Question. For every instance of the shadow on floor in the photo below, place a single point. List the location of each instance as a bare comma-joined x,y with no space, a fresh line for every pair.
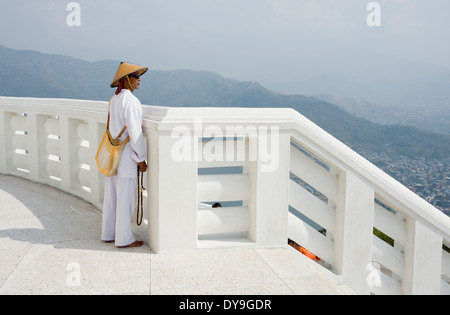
40,214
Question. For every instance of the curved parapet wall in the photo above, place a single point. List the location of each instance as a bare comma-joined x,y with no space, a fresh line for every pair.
275,173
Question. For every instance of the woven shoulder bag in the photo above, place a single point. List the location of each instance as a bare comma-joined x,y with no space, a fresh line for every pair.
110,151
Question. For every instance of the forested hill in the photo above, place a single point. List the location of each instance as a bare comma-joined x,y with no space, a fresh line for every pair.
33,74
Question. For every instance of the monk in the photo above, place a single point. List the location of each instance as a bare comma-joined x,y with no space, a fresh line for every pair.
120,190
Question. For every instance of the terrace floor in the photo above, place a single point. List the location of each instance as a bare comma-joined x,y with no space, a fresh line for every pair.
50,244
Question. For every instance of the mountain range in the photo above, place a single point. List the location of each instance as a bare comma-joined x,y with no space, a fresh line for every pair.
433,117
351,71
33,74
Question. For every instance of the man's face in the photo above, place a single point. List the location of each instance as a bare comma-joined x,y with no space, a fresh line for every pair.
135,80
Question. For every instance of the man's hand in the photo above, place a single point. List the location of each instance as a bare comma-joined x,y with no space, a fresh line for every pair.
142,166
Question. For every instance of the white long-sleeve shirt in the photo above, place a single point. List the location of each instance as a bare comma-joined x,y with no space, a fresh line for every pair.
126,109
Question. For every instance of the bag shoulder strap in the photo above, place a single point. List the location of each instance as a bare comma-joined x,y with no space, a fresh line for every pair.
107,124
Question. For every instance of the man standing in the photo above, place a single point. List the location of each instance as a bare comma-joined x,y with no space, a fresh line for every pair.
120,190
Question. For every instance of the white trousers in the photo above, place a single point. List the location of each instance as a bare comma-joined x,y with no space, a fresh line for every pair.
118,209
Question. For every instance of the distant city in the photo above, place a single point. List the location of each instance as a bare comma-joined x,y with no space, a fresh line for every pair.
429,180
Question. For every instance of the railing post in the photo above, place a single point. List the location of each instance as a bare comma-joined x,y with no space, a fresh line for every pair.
269,201
35,143
67,152
172,194
96,131
354,231
423,260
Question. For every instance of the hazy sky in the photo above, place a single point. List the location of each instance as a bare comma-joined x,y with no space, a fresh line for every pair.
242,39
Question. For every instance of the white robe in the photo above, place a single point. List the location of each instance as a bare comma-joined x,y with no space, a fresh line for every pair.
127,110
120,190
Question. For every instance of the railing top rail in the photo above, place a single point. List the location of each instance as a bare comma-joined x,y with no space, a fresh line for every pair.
166,115
386,187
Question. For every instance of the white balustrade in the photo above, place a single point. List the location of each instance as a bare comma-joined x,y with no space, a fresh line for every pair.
277,175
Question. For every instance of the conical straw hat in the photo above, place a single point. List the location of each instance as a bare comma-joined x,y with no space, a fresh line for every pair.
126,69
